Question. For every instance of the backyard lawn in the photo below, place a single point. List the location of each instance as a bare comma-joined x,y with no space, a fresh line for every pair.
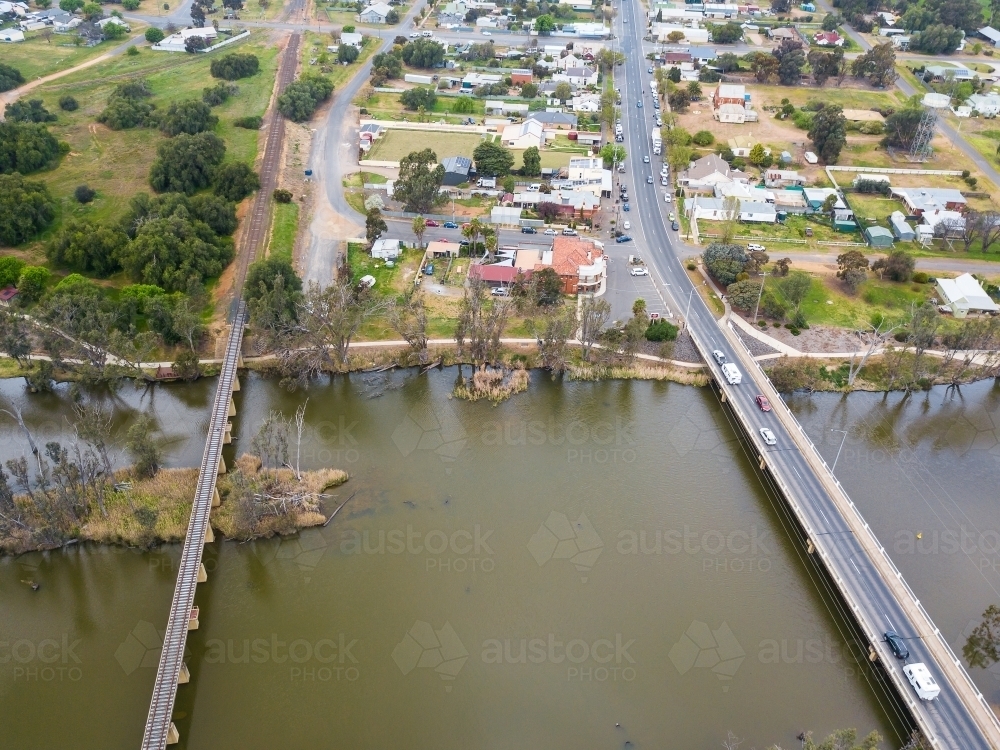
116,163
395,144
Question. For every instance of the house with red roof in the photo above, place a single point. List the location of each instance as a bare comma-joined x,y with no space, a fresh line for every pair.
829,39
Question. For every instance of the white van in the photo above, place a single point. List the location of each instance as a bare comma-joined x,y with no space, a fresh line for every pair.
920,677
732,374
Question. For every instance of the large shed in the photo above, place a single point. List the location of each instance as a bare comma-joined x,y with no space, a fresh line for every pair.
900,228
878,237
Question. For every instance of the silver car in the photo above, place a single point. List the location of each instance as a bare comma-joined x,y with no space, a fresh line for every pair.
767,436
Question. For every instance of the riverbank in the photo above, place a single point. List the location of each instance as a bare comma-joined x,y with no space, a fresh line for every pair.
143,512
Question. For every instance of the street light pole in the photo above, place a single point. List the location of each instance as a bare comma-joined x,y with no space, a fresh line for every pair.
687,310
759,295
842,441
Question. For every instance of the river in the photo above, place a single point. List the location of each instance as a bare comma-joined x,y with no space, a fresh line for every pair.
583,555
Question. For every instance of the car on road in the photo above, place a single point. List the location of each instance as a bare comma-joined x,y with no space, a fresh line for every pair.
732,373
567,232
626,207
719,357
762,402
463,243
754,247
666,197
645,160
414,35
675,226
622,238
431,223
450,225
920,677
627,225
486,33
529,230
897,645
672,217
650,71
664,181
649,179
767,436
550,231
656,103
639,271
638,105
659,121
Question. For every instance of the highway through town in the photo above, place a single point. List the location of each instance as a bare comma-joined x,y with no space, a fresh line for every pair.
947,719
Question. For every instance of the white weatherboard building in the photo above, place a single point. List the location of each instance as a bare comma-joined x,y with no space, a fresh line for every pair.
385,249
964,295
176,42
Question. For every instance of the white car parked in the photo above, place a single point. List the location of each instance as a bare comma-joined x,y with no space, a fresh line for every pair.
640,271
767,436
628,225
754,247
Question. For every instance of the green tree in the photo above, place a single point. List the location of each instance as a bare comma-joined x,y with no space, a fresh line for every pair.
423,53
791,61
982,649
68,104
418,185
32,282
724,261
154,35
843,739
186,163
234,66
529,90
419,227
703,138
532,162
28,111
878,65
763,65
10,78
170,252
142,448
26,147
234,181
545,25
492,159
26,208
826,65
190,116
374,225
113,31
757,154
728,33
694,90
898,266
127,107
829,133
272,291
87,247
301,98
674,74
218,94
727,62
937,39
10,270
832,21
795,287
743,295
347,53
613,153
420,96
960,14
679,100
563,91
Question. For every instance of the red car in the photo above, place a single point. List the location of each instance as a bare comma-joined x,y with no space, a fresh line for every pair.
431,223
763,403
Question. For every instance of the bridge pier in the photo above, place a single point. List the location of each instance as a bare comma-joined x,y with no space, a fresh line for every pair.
232,407
227,438
185,676
763,463
193,619
209,534
202,573
236,383
810,547
222,465
216,499
173,736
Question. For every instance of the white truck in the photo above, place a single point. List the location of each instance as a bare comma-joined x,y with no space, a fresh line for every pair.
657,142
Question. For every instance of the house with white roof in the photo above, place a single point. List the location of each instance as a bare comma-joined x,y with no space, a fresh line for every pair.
385,249
708,172
523,135
577,77
985,104
587,103
352,38
714,209
11,35
964,295
375,13
744,192
176,42
920,200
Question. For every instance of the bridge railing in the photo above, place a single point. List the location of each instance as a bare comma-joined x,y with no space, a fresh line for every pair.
984,703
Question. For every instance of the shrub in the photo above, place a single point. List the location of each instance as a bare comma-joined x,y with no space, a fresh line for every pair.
250,122
347,53
302,97
186,163
26,208
661,330
281,195
126,107
215,95
415,98
84,194
131,5
10,270
235,66
26,147
692,267
132,51
28,111
191,117
235,181
154,35
10,78
68,104
703,138
32,283
921,277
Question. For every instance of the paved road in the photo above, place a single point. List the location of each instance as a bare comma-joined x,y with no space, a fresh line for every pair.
948,717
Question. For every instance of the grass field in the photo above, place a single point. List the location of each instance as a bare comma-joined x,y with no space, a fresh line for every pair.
284,224
827,304
116,163
396,144
848,98
36,58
